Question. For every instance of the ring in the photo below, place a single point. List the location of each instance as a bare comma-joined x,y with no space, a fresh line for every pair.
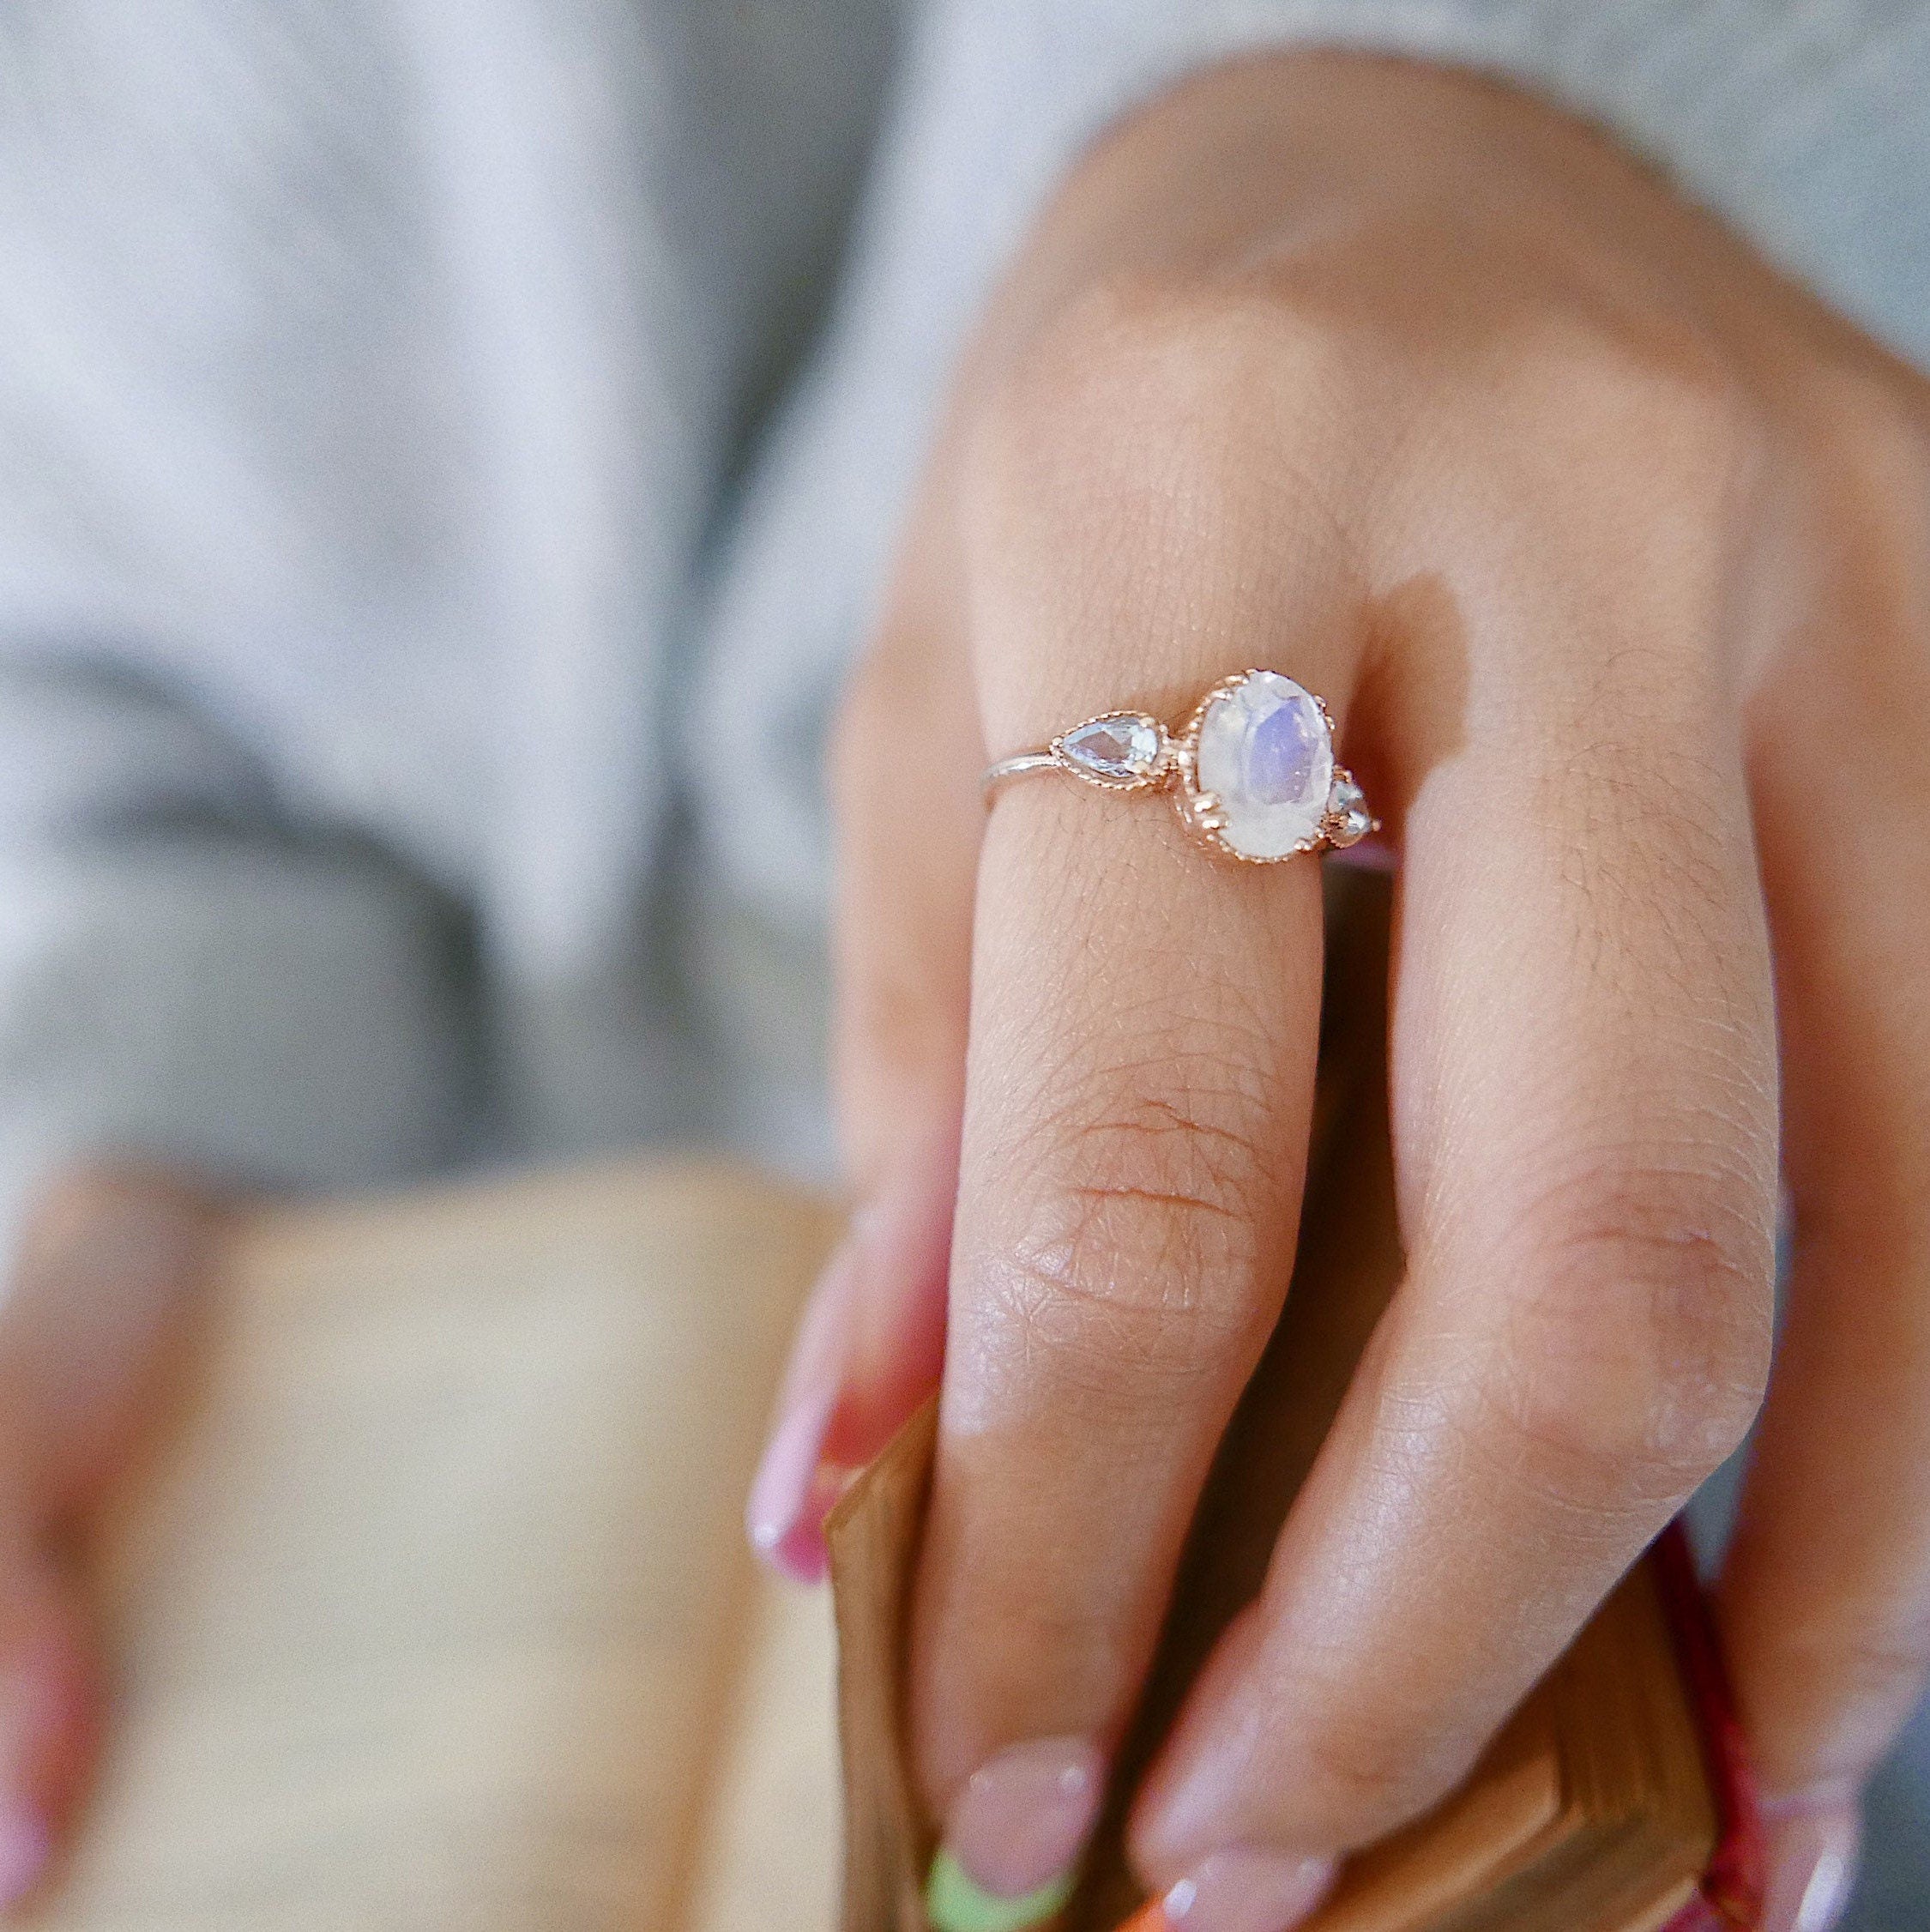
1251,771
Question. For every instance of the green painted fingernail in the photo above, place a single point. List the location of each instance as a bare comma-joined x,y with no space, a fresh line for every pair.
1013,1837
954,1903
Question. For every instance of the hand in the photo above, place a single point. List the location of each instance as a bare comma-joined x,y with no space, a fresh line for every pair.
1607,550
109,1262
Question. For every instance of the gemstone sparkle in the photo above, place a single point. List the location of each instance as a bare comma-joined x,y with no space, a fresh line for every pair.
1123,749
1266,755
1349,819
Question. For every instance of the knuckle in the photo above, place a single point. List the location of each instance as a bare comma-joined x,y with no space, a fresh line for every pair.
1873,403
1147,386
1871,425
1636,1344
1105,1354
1145,1228
1657,371
1175,342
1661,393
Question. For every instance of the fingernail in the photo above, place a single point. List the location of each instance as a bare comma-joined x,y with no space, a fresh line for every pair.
1014,1837
1243,1891
26,1845
793,1492
1813,1867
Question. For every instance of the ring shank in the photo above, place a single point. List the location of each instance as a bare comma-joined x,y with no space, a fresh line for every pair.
1134,752
1018,767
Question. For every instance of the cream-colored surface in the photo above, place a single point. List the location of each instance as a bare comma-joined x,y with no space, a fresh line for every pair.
769,1861
433,1611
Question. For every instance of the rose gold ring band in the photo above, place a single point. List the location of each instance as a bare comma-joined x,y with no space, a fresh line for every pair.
1251,771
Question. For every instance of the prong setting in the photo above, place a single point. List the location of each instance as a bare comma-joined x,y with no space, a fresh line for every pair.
1269,735
1118,751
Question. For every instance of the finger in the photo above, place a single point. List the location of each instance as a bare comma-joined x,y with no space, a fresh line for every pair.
1813,1850
1825,1600
106,1286
1129,1187
50,1711
868,1353
906,764
1143,1020
102,1295
1584,1117
909,819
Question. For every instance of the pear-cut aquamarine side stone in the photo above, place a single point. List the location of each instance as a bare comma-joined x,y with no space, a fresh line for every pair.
1265,752
1116,750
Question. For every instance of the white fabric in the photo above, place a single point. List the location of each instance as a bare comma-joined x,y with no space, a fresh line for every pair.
395,544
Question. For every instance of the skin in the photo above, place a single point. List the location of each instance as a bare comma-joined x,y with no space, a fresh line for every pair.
110,1262
1607,547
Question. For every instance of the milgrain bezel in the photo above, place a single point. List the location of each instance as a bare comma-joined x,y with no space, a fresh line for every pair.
1199,810
1176,769
1158,774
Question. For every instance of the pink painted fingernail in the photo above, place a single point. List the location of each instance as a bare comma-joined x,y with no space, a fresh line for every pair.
1014,1836
793,1491
26,1845
1247,1891
47,1714
1813,1865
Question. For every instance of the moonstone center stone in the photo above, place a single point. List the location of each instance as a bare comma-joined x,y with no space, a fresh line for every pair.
1266,754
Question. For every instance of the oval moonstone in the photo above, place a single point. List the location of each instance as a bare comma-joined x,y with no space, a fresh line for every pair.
1265,752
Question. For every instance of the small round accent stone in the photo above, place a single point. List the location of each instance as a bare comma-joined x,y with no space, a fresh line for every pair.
1349,821
1266,754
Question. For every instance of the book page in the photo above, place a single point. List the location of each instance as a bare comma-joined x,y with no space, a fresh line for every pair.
427,1613
769,1853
